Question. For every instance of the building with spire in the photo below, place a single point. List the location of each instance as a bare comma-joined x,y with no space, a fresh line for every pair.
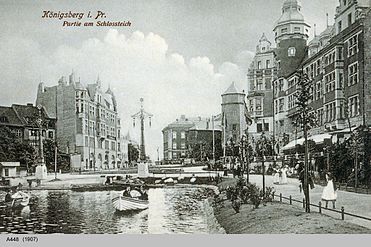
87,125
260,77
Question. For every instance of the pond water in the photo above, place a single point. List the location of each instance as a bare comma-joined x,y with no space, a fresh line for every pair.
171,210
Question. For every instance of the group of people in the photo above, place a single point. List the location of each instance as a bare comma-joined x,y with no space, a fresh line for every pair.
329,193
280,174
136,193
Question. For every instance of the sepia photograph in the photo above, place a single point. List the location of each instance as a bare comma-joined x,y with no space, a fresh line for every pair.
184,117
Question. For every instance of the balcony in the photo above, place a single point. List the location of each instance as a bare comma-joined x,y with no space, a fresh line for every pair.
111,137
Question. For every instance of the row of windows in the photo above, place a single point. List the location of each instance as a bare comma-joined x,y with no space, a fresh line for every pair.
175,155
36,133
92,111
258,105
182,135
182,145
102,128
328,114
267,64
108,145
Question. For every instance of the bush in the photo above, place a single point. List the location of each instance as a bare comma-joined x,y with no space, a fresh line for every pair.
256,195
236,205
269,192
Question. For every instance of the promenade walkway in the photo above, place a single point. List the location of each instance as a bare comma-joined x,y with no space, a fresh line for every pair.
359,204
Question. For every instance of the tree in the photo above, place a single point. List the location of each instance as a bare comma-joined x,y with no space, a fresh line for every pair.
264,148
12,149
63,161
133,153
306,119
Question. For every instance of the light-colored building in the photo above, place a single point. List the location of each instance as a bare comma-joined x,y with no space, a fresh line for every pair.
87,122
261,74
12,174
234,112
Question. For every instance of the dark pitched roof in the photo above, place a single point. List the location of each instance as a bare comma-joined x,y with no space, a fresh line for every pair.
9,117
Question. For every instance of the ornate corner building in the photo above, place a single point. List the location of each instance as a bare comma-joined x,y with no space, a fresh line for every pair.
87,125
338,63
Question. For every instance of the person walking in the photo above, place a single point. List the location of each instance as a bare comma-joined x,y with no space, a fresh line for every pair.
329,192
284,175
276,176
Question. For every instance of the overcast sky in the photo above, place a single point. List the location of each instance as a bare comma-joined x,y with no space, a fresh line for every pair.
180,55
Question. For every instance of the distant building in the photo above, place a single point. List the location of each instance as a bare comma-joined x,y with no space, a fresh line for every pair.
12,174
87,122
202,137
181,136
23,121
261,74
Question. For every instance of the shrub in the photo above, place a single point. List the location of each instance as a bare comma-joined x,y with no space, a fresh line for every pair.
269,191
236,205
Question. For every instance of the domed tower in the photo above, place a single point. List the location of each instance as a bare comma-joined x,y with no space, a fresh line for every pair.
292,33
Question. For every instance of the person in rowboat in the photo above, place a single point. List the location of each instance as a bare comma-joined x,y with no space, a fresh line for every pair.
126,192
144,195
8,196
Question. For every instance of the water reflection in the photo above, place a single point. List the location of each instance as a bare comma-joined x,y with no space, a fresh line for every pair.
171,210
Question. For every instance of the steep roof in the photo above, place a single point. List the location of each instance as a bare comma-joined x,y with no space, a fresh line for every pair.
11,118
232,89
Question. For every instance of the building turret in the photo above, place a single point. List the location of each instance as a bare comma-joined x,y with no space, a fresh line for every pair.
292,33
233,111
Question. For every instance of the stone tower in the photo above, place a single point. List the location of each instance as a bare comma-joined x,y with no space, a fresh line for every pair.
291,35
233,112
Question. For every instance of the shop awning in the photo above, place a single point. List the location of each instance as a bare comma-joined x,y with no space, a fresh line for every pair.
318,139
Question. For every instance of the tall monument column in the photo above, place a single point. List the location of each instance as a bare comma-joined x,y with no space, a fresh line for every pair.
41,171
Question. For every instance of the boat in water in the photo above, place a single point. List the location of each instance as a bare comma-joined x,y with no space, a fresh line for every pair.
19,200
129,203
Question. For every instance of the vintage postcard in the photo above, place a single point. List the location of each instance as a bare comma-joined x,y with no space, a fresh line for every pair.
184,116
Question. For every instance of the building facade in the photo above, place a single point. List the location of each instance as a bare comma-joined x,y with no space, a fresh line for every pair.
260,77
181,137
338,65
87,122
24,122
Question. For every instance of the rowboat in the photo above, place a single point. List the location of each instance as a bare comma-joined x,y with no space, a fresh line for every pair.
20,199
124,203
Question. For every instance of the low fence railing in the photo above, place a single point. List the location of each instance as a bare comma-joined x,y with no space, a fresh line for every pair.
320,207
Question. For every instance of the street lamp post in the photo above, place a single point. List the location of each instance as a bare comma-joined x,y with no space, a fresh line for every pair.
244,156
40,172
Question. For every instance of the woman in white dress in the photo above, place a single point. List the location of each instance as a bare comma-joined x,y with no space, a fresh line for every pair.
329,192
284,175
276,176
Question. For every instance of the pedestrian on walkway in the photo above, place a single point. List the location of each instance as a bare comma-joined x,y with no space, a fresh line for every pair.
329,192
283,179
276,176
